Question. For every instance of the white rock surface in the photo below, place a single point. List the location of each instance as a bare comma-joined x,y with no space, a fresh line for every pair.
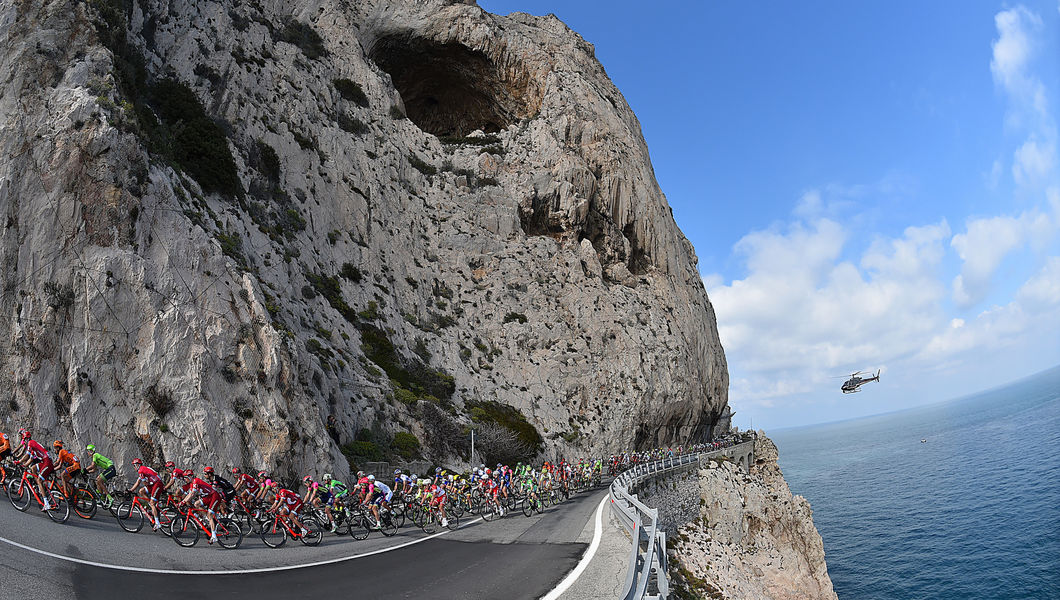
117,292
754,540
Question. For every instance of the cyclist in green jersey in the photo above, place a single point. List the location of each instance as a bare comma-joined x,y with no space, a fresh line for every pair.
105,466
338,492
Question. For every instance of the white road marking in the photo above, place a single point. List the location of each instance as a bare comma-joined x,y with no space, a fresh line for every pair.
586,558
227,572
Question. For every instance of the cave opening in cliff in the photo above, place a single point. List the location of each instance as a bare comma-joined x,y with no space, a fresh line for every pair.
449,90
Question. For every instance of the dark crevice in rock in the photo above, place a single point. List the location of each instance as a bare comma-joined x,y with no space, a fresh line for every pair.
638,258
534,217
449,89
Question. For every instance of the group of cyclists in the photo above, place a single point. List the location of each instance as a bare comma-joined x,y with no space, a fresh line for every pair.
218,497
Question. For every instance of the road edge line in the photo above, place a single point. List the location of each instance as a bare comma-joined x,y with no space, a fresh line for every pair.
231,572
576,572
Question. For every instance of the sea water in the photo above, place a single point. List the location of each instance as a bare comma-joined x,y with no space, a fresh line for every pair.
958,500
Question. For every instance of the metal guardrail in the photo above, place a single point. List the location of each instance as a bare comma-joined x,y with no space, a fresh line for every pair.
646,576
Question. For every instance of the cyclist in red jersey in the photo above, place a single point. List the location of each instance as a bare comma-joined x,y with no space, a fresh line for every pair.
287,503
245,484
204,496
150,487
35,454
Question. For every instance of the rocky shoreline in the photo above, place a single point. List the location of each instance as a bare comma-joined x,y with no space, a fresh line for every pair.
753,538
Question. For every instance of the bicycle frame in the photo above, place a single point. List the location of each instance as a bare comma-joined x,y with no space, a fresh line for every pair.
191,515
25,483
285,521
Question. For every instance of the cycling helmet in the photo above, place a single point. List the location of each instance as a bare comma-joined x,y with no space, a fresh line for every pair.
307,479
24,434
137,462
235,470
208,470
189,473
57,444
397,471
262,474
274,484
414,477
178,473
371,478
169,464
91,447
326,477
437,469
360,474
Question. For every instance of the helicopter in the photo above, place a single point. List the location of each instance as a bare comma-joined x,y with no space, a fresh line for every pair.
856,381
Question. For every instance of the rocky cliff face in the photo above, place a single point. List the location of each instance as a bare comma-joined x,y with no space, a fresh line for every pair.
225,222
753,538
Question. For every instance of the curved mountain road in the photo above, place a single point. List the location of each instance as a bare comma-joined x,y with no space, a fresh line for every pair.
514,557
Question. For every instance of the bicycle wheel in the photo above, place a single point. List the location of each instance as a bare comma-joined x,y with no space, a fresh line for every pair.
184,531
129,516
398,519
488,512
84,503
19,495
452,522
166,515
429,523
389,529
528,507
315,533
59,511
359,528
415,514
229,533
454,508
243,518
273,533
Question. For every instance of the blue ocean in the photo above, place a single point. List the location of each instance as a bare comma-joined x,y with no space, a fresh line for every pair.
971,512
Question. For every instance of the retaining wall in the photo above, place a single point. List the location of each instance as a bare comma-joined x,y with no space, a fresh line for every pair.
676,493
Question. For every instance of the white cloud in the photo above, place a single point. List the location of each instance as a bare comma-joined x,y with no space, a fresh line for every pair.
1013,51
1042,292
1033,161
985,244
1034,311
802,312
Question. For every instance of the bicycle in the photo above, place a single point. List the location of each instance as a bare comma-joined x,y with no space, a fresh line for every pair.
130,513
431,515
185,527
249,513
8,474
491,508
276,531
532,502
83,500
362,523
20,491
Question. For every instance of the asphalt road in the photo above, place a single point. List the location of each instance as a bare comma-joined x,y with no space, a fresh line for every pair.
514,557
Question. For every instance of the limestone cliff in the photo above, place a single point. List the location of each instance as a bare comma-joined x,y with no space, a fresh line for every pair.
753,538
226,222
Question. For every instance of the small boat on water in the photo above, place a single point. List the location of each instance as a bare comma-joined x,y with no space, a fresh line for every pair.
923,440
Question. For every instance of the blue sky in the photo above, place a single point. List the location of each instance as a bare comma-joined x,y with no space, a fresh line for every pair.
867,185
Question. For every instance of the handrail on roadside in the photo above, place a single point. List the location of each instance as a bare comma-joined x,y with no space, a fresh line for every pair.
649,564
